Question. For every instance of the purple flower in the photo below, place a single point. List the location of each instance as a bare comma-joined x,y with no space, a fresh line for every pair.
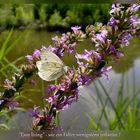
71,100
59,51
125,39
50,100
36,54
92,57
112,49
56,38
52,89
135,21
29,58
115,9
84,79
34,112
104,71
76,28
71,48
100,38
10,103
135,7
113,22
13,104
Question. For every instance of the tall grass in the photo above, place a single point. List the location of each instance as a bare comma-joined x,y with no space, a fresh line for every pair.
5,49
6,65
122,114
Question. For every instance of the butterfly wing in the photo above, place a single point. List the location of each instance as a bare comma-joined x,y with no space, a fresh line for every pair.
49,56
50,66
50,75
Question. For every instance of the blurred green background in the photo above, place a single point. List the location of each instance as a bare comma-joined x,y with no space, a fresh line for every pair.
52,16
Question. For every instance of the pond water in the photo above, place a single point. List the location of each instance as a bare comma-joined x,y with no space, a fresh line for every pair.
76,116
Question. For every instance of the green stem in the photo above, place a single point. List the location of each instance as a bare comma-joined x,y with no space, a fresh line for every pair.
43,94
57,119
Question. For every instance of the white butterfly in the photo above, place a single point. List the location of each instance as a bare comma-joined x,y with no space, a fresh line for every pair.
50,66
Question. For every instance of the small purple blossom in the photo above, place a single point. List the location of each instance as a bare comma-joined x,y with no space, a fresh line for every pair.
10,103
52,99
36,54
100,38
92,57
135,7
13,104
135,21
29,58
125,39
56,38
58,51
104,71
84,79
112,49
115,9
34,112
52,89
76,28
113,22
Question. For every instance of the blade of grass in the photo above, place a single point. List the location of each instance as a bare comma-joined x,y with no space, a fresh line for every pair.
92,124
103,112
3,48
112,104
129,103
11,64
4,126
2,72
